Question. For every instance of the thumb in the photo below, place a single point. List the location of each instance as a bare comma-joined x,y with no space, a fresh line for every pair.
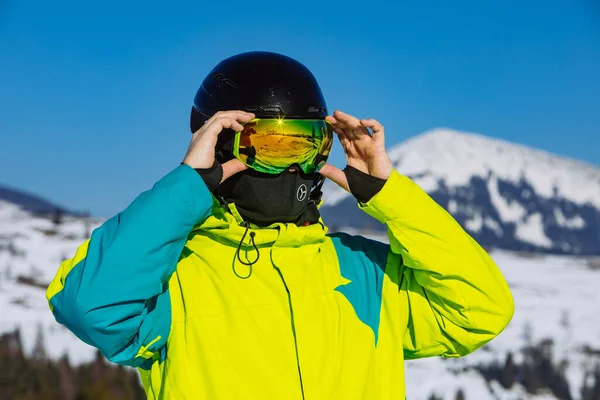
336,175
231,168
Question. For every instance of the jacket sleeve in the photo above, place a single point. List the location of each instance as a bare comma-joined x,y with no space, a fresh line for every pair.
113,293
456,297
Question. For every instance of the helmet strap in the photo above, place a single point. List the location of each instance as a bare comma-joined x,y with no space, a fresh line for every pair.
316,192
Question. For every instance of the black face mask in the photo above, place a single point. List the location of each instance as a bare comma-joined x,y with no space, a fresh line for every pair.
264,199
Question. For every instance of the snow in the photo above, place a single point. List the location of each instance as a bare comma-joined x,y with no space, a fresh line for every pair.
456,157
494,226
448,159
555,297
428,182
333,194
574,223
475,223
26,308
532,231
452,207
30,248
508,211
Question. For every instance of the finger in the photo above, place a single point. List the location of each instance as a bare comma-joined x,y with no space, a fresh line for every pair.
336,126
342,138
351,125
230,123
336,175
375,126
215,127
235,114
232,114
231,168
346,145
346,119
342,125
343,132
338,129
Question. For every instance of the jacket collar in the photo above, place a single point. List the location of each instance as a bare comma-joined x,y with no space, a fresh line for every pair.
231,227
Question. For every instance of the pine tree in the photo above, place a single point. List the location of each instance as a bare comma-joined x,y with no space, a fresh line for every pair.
11,347
509,372
87,225
12,250
87,233
39,348
527,332
68,388
57,218
565,321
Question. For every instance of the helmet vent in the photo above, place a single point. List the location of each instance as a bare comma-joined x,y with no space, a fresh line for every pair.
271,109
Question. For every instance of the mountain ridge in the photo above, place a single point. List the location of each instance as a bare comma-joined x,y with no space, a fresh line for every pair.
31,202
508,195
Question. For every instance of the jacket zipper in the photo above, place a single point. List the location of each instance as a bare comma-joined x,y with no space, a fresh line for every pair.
293,328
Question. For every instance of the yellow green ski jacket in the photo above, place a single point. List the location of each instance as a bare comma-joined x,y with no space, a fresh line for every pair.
208,309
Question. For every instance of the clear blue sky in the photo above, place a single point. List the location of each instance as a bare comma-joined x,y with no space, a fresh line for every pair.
95,96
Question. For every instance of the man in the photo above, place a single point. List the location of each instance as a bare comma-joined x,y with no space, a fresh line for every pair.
221,282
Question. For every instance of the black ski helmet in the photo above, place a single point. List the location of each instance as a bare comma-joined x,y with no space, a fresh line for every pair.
267,84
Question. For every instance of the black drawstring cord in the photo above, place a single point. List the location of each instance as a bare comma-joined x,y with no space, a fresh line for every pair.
251,263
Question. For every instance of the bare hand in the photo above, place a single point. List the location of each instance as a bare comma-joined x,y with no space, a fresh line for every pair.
364,151
201,152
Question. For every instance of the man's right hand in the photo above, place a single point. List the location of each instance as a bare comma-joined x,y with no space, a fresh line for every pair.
201,152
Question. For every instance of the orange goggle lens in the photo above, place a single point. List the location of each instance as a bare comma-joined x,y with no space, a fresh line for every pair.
273,145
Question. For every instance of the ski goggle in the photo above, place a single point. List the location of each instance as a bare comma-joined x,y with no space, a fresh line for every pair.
273,145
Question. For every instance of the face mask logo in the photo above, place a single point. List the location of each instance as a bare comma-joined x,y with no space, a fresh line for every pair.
301,192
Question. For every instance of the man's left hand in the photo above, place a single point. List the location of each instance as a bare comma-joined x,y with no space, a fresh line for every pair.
364,150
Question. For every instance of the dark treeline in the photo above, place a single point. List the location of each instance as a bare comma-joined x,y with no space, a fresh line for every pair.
460,395
538,373
36,377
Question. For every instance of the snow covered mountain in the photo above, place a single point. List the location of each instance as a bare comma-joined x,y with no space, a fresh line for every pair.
550,351
506,195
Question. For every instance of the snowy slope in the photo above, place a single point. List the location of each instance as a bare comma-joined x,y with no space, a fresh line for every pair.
507,195
556,297
30,249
